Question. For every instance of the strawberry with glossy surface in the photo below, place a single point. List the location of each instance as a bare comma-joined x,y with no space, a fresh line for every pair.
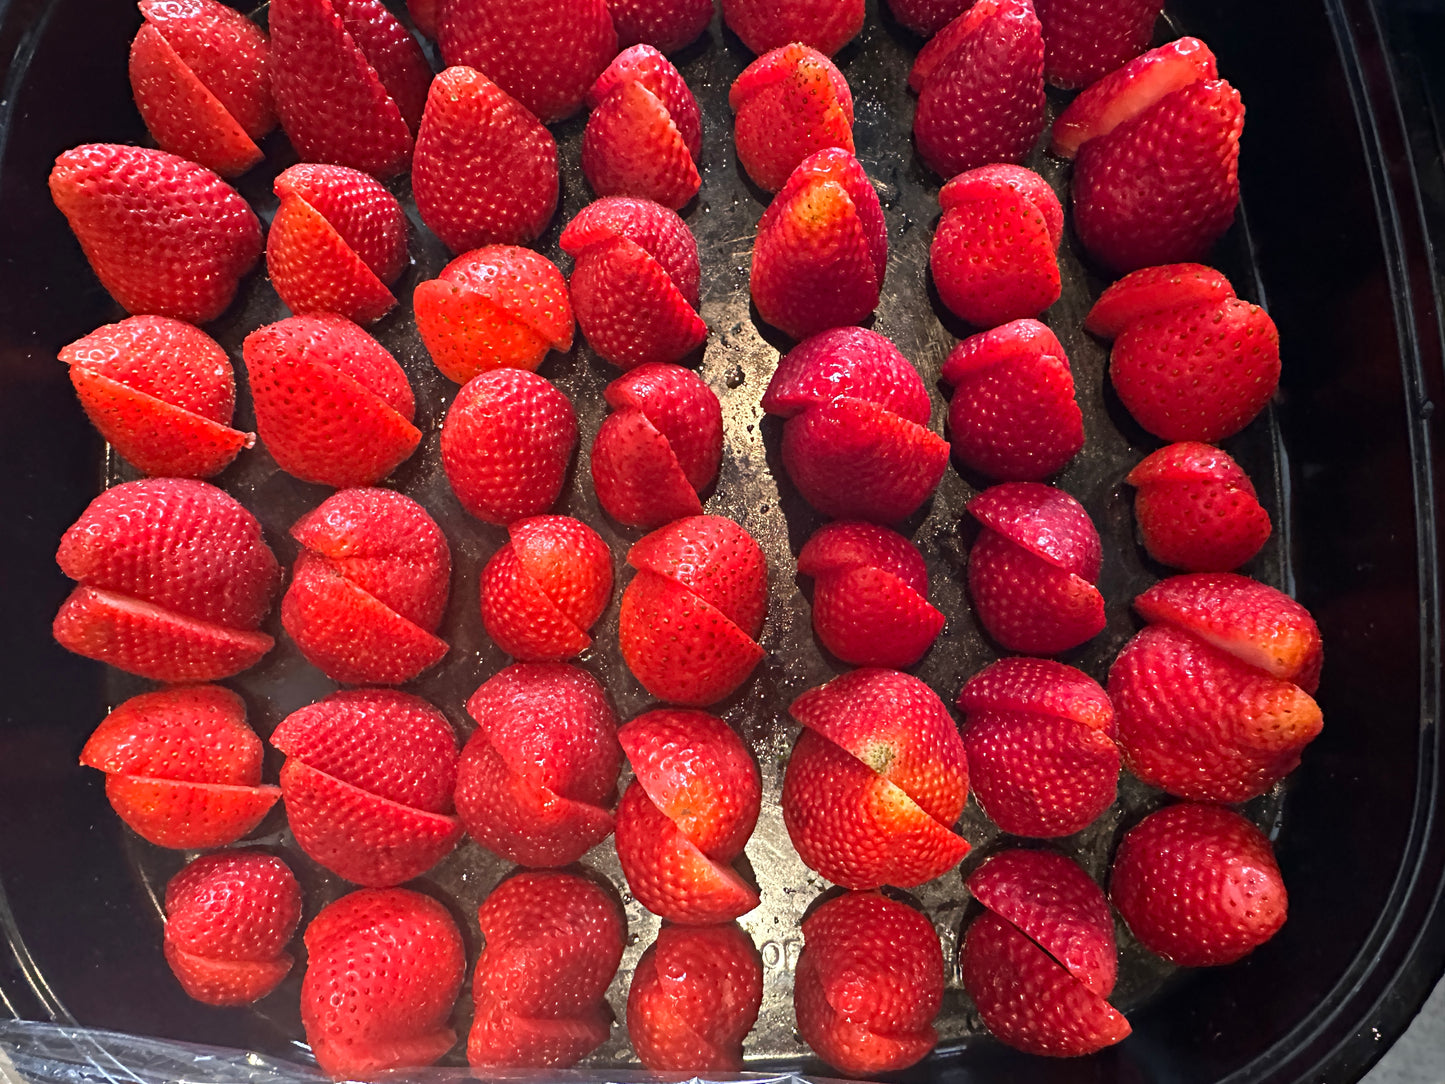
789,103
337,242
635,281
383,970
199,73
927,17
1198,885
1084,40
174,577
228,918
183,769
667,25
485,170
162,392
644,137
1013,415
869,983
545,588
332,404
1197,509
537,777
764,25
659,448
165,236
1153,290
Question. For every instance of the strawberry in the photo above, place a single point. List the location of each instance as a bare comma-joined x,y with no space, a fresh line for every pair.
537,775
688,814
1198,885
635,283
506,443
424,15
789,103
847,361
644,137
980,85
198,70
668,25
1085,40
368,784
175,579
369,589
1197,372
552,943
183,770
1041,754
690,618
165,237
764,25
1152,290
1013,414
485,170
162,392
927,17
694,997
868,984
870,595
332,405
337,242
1197,510
545,588
821,248
383,970
228,918
542,53
993,257
1032,571
496,306
660,447
349,83
876,781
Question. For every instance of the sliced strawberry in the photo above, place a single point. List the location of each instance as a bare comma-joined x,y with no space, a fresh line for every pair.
1197,509
630,311
226,982
825,25
662,234
1045,521
850,544
543,590
632,147
636,474
714,558
190,734
188,816
226,51
1027,603
843,169
1001,179
1025,338
993,260
521,618
847,361
1085,40
503,1039
869,617
646,65
1039,686
789,103
667,24
1151,290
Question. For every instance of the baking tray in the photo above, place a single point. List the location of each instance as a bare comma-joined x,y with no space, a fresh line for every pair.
1344,465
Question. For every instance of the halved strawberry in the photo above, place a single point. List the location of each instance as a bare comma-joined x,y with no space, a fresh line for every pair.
666,24
1152,290
646,65
825,25
790,102
1044,520
1041,686
503,1039
1000,179
715,559
851,361
1197,509
188,816
633,144
1084,40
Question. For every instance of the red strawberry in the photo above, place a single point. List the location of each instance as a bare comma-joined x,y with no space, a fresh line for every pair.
980,85
927,17
228,918
659,449
635,283
424,15
164,236
851,361
368,783
1085,40
542,53
349,82
1197,510
1198,885
1152,290
1031,572
868,984
332,404
182,767
1198,372
821,248
485,170
1013,414
337,242
175,578
764,25
870,595
644,137
694,997
876,781
536,776
552,945
993,257
687,815
714,558
789,103
1040,748
545,588
198,70
162,392
506,443
666,24
384,967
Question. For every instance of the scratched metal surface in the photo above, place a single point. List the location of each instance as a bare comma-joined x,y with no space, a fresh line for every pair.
736,362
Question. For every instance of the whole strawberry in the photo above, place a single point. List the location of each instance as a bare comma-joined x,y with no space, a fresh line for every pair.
165,237
1085,40
228,918
789,103
825,25
667,25
1197,509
